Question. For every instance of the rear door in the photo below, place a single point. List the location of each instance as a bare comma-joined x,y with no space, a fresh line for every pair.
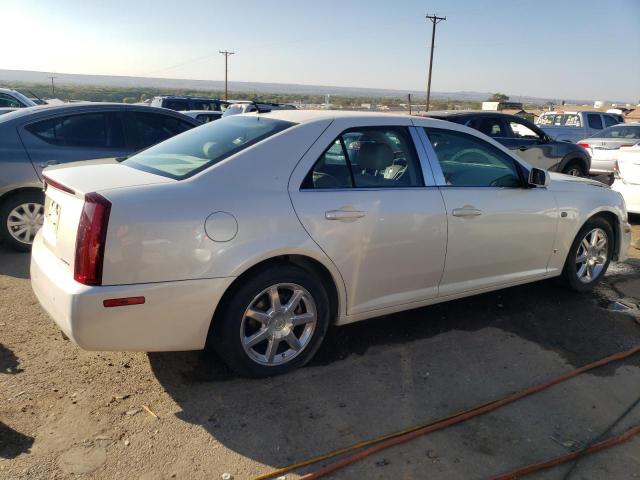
530,144
361,195
500,231
73,137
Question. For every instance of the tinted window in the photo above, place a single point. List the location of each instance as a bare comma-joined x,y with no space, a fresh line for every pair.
175,104
205,146
9,101
610,121
204,105
520,130
594,121
153,128
468,161
493,127
368,158
84,130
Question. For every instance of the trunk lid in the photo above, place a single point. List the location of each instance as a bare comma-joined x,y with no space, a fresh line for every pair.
65,189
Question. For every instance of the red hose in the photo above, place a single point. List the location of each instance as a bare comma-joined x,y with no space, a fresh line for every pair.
536,467
475,412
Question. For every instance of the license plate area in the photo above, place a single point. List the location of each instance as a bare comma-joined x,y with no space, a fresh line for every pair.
52,212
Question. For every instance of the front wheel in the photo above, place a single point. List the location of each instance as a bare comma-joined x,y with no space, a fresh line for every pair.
575,169
273,323
589,256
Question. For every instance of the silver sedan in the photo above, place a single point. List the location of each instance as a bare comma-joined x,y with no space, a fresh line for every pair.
604,145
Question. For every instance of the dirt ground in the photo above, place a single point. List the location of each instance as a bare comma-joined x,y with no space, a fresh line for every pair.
68,413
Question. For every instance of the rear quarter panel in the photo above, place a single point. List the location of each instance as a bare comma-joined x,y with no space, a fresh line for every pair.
157,232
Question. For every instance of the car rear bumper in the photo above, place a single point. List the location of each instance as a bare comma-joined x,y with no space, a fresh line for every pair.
175,315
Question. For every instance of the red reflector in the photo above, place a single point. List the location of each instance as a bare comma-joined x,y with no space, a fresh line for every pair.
584,145
123,302
627,145
48,182
91,238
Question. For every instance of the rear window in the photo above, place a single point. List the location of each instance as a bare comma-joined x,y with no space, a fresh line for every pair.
195,150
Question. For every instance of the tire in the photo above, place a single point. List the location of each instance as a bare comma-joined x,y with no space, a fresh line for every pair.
28,205
574,168
573,275
273,354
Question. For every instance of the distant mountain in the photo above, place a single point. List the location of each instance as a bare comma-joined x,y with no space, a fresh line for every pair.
258,87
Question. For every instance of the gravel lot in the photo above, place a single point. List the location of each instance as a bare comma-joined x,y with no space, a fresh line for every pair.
69,413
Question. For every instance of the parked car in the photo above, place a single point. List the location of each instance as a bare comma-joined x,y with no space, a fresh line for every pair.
204,116
239,107
247,236
604,145
14,99
182,103
33,138
525,140
572,126
627,167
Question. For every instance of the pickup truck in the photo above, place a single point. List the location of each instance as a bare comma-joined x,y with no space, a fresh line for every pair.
573,126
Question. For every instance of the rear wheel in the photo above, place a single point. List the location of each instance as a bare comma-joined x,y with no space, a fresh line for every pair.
21,216
589,256
574,169
273,323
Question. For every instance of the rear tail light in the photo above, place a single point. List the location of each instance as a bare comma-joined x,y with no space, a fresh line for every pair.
584,145
92,234
626,145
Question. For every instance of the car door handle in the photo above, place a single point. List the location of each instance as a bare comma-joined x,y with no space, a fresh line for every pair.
48,163
344,215
466,212
523,148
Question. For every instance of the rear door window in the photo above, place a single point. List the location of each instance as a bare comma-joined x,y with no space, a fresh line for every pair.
152,128
91,130
594,120
490,126
610,121
371,157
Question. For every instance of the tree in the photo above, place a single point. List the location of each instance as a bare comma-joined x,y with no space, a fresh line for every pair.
498,97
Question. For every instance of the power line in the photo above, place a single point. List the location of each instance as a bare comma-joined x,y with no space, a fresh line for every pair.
226,54
434,19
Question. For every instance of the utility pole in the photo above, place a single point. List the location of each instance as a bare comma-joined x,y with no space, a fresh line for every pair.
434,19
53,88
409,100
226,54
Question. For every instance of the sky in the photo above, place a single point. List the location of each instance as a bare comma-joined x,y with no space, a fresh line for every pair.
573,49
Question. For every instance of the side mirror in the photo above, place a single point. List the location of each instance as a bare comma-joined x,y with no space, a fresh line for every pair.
539,177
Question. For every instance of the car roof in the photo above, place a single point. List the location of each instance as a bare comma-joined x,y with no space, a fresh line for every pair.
84,107
188,97
308,116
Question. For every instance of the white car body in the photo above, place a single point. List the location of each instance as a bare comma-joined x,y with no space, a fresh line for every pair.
628,177
181,244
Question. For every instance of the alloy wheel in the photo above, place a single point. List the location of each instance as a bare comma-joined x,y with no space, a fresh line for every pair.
24,221
592,254
278,324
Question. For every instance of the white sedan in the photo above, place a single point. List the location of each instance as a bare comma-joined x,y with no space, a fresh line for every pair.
627,171
254,233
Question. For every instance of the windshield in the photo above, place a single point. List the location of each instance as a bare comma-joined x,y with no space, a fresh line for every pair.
626,132
197,149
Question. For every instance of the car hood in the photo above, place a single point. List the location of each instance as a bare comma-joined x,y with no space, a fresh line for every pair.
562,181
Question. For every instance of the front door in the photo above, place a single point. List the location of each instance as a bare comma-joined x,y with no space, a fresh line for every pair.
361,196
499,230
